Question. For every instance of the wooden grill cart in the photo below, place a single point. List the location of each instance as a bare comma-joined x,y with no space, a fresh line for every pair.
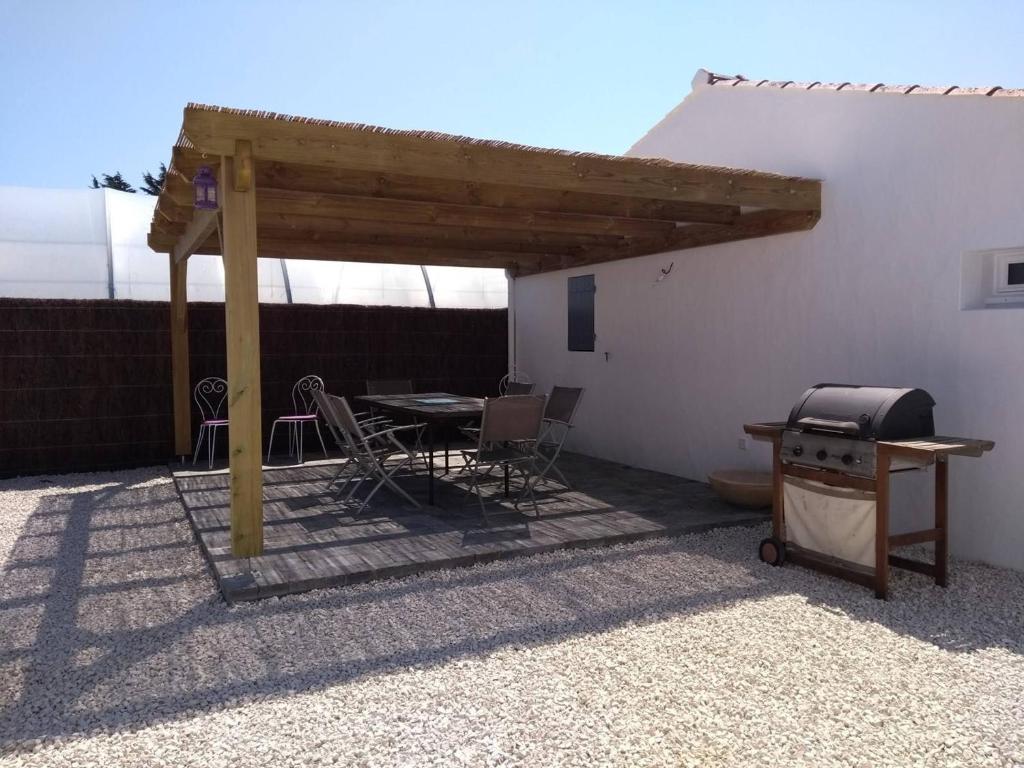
891,456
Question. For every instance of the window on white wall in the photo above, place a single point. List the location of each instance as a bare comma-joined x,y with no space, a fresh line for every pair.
582,290
992,279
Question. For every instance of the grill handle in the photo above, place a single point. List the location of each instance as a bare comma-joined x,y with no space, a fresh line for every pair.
825,425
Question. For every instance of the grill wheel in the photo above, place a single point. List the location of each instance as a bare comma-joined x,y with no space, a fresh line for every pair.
772,551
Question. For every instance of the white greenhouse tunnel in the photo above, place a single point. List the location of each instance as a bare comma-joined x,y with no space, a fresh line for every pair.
91,244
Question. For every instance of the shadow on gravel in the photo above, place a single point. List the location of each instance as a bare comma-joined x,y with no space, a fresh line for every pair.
109,620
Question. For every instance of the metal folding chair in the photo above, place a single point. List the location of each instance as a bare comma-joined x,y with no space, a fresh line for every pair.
369,452
558,421
508,429
507,386
400,387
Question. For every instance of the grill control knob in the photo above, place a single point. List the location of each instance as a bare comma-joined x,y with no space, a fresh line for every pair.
847,458
798,450
822,454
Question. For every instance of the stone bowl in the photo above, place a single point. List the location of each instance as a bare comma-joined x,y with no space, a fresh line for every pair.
742,488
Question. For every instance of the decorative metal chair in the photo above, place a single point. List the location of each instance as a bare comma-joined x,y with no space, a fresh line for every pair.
305,412
508,429
210,395
515,382
368,452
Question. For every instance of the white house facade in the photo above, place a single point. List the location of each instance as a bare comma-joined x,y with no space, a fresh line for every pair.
892,287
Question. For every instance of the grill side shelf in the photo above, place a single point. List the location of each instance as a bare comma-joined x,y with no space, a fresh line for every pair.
932,448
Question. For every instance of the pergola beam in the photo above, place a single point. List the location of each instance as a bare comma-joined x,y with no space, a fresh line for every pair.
403,186
197,231
751,225
274,201
359,230
337,145
394,254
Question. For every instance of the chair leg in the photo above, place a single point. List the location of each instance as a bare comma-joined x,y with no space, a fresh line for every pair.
561,477
386,479
199,443
322,445
270,443
211,441
301,427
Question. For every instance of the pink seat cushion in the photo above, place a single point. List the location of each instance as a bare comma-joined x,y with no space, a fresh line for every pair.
215,422
299,417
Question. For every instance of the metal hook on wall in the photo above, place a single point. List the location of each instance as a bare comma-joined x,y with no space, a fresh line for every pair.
665,272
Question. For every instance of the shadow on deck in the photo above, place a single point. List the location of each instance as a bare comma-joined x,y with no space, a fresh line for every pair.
313,541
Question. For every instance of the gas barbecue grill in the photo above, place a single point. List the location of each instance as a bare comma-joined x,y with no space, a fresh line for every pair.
832,462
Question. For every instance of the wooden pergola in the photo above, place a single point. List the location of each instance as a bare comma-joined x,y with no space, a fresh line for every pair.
347,192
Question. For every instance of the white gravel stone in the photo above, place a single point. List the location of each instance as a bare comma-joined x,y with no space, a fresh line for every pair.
116,650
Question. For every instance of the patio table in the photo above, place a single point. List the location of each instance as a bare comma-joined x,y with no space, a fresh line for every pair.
431,408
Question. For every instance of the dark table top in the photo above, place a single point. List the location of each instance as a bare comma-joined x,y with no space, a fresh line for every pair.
433,406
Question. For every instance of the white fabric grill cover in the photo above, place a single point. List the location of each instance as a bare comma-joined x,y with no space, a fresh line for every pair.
833,521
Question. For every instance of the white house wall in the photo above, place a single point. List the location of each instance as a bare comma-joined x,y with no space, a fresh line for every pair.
737,332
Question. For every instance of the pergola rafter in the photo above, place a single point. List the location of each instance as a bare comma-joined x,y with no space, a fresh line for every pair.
316,189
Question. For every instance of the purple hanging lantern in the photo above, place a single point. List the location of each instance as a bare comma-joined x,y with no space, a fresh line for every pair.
204,186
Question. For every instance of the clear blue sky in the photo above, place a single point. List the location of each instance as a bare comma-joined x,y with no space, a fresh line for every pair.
88,87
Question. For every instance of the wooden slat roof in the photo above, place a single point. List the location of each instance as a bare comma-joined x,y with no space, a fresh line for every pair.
352,192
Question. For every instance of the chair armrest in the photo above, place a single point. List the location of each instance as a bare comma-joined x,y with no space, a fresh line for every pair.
389,431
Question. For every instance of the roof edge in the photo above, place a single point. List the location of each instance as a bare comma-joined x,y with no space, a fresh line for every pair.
705,78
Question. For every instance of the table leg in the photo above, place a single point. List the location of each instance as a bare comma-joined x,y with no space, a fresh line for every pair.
430,463
446,451
941,520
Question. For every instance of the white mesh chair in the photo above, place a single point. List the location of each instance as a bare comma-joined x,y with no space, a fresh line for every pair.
376,454
508,429
304,411
210,396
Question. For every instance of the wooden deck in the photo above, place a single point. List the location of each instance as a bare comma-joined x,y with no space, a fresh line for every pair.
312,541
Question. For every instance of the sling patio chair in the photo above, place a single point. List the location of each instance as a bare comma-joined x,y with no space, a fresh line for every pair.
508,429
558,421
506,386
519,388
399,387
339,439
371,454
304,411
210,395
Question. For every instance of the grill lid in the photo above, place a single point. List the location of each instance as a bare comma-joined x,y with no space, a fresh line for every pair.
864,413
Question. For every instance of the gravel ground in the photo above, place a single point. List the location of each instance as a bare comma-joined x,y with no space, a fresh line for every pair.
115,650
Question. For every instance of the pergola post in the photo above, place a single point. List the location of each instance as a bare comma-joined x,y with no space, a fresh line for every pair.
179,357
241,307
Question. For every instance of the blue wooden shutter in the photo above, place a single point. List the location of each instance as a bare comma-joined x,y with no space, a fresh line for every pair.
581,313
